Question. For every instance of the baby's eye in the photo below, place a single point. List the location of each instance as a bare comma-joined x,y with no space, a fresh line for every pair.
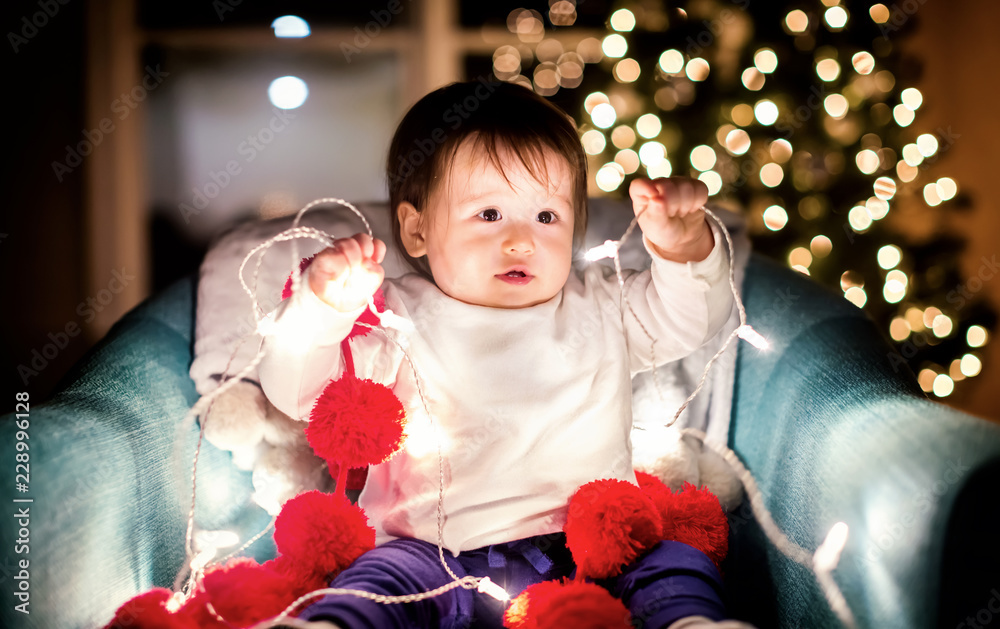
490,215
546,217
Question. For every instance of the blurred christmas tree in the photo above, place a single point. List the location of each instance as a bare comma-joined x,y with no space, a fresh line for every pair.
801,114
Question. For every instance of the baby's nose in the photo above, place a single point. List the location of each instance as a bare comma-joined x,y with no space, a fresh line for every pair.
518,240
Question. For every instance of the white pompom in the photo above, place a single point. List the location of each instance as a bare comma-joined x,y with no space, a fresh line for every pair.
282,430
720,479
660,451
236,419
284,473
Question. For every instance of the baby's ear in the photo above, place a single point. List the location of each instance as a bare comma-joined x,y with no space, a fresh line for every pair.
411,229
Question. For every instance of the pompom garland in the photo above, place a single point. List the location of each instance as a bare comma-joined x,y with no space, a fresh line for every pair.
563,605
695,517
609,524
148,611
242,592
356,422
321,534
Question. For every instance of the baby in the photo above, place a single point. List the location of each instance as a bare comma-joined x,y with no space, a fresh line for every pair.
487,206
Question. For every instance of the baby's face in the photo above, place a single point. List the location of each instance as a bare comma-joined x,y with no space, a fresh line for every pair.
499,243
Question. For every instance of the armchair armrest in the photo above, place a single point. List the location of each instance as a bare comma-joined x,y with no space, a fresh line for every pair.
834,432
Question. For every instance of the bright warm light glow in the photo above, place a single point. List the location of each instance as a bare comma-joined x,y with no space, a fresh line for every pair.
867,161
821,246
628,159
970,365
942,326
671,61
943,386
766,112
752,79
912,98
607,249
648,125
738,142
947,188
593,142
742,114
623,136
828,554
771,174
885,188
828,70
659,169
622,20
781,150
927,144
752,336
697,69
610,176
905,172
489,587
903,116
863,62
836,17
877,208
859,218
652,153
290,26
703,157
765,60
836,105
879,13
800,256
889,257
912,155
931,195
288,92
713,180
626,70
797,21
899,329
775,218
614,46
856,295
976,336
604,115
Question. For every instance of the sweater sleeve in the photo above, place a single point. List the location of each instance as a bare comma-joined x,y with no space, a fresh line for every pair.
302,350
681,305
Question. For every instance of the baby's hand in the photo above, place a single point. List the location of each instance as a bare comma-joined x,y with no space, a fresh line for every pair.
671,217
348,273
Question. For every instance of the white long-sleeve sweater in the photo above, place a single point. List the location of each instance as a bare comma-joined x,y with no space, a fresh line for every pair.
532,403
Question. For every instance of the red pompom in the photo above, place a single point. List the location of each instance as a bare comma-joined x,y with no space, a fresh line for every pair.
695,517
321,534
356,422
655,490
609,524
148,611
366,317
558,605
242,592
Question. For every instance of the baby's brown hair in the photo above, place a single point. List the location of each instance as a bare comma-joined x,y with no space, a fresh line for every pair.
495,116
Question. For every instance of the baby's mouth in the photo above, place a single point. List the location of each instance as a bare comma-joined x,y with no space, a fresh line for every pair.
515,274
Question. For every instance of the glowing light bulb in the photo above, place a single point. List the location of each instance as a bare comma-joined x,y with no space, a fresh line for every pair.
828,554
606,250
752,336
486,586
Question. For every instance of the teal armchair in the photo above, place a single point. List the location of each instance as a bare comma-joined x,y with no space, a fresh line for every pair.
830,429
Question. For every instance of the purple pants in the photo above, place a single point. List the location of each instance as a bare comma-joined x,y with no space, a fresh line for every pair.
670,582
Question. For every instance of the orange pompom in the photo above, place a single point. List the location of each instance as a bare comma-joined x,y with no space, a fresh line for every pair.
609,524
320,534
559,605
695,517
356,422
